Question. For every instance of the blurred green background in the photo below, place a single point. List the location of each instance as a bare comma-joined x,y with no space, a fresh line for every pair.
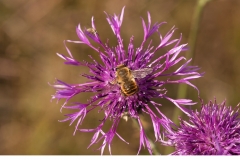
32,31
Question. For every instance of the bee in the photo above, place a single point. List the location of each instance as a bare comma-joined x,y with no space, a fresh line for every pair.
126,78
92,31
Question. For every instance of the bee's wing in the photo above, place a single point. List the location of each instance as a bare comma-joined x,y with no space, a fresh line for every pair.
141,73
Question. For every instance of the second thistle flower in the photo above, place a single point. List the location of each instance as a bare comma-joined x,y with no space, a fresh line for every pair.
214,130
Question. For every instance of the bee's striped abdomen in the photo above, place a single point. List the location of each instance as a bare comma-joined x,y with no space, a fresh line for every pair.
129,88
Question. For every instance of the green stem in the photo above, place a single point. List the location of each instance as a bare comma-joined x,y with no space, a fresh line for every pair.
182,90
195,27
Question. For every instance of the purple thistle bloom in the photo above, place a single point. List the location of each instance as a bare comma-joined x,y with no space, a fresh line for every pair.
215,130
109,97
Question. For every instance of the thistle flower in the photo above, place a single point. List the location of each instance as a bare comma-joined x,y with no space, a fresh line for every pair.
109,92
215,130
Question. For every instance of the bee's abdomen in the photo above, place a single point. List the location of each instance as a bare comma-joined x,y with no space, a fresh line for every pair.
129,88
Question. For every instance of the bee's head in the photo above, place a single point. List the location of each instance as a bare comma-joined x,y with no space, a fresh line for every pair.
120,67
